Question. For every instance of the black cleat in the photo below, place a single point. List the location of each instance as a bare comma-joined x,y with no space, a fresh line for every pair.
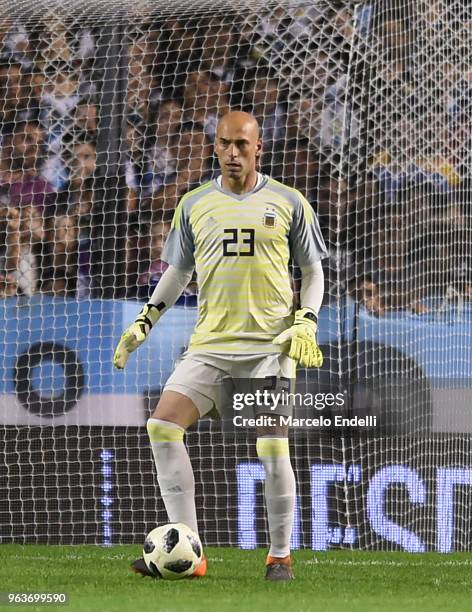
279,572
140,567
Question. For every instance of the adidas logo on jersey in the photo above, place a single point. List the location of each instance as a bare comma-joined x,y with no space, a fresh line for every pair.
270,218
210,222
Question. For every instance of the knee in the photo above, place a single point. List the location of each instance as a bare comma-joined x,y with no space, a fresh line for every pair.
277,430
176,408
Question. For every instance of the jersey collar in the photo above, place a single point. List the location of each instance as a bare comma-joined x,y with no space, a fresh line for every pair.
261,182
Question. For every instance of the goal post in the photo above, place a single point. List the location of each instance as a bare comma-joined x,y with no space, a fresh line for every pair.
108,112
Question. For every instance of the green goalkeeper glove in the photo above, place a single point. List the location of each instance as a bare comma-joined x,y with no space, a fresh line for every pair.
302,337
135,335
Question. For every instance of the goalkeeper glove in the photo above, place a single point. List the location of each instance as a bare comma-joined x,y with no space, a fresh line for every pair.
135,335
302,337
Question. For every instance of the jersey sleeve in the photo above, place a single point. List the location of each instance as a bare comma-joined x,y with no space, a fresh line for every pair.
306,241
179,247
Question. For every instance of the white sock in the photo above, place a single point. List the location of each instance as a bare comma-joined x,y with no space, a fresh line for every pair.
174,471
279,491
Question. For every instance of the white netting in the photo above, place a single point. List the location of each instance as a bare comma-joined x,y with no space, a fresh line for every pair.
108,112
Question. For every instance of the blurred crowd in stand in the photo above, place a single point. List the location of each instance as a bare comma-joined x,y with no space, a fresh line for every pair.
369,118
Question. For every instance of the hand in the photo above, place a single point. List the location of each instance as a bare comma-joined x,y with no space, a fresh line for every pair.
135,335
302,337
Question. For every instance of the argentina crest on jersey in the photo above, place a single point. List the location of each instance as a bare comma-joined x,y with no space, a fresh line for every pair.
270,218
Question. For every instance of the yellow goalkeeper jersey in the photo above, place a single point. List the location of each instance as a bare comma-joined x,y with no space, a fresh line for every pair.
240,246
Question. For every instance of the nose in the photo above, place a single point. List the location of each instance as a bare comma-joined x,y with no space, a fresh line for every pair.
233,151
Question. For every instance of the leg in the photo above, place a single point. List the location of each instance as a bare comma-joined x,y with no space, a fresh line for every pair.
174,413
166,427
273,452
190,393
279,489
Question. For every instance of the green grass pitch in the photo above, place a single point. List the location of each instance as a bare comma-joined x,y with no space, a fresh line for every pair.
98,579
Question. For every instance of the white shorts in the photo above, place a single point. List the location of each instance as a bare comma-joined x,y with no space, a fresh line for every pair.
211,379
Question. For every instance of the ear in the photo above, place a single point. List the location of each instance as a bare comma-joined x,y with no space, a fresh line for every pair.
258,148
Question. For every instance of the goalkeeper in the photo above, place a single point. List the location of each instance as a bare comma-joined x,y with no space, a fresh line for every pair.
239,232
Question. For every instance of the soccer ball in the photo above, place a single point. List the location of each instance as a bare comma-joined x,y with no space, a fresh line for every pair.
172,551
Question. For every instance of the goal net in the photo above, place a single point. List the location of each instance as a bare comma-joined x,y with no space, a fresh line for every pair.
108,112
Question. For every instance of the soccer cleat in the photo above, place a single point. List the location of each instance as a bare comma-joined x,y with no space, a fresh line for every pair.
140,567
279,568
201,569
